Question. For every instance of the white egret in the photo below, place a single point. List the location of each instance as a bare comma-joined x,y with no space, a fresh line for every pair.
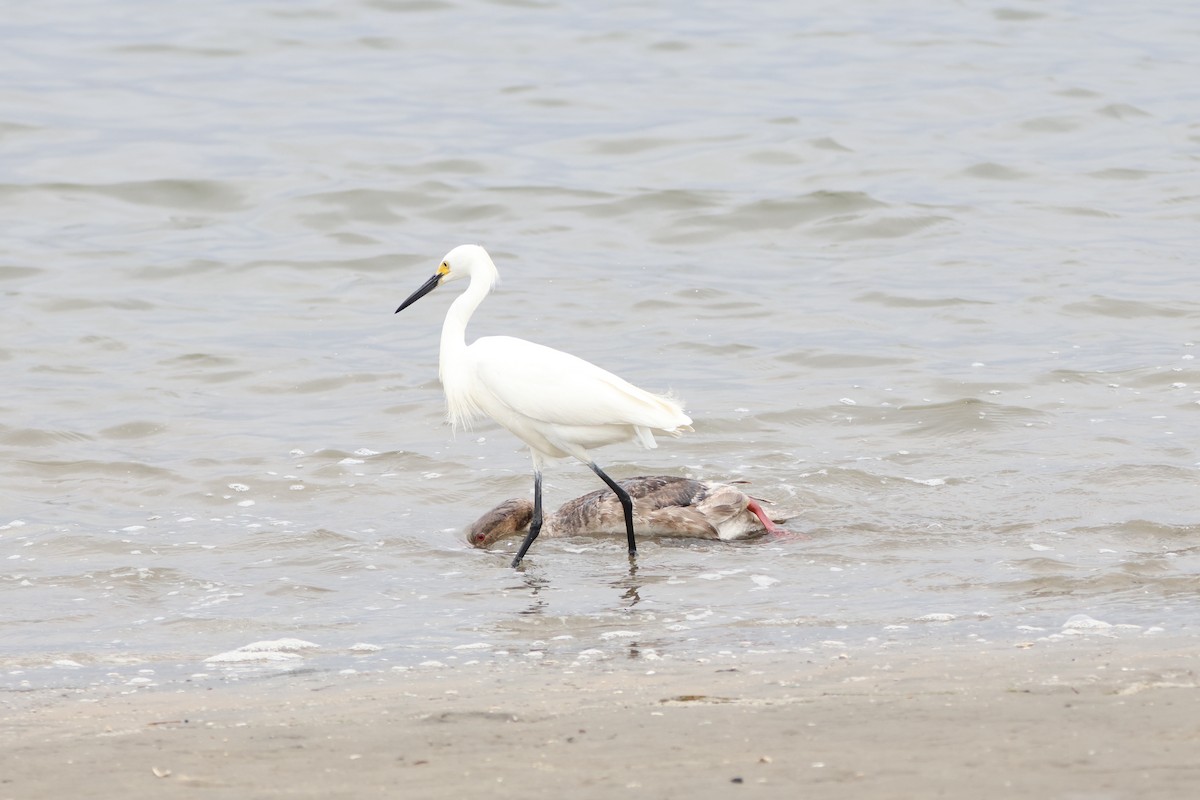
556,403
662,506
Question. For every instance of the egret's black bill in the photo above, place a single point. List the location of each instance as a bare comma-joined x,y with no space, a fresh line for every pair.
425,289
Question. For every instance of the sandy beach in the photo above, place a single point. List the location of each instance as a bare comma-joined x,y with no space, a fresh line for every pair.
1092,718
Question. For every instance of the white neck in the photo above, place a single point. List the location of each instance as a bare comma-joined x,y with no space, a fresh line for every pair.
454,329
453,368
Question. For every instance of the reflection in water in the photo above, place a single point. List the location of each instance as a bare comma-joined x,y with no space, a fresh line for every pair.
536,587
629,586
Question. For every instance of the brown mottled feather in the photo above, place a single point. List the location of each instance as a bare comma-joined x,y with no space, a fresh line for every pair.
662,506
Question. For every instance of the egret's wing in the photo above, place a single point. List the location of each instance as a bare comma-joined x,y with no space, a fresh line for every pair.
558,388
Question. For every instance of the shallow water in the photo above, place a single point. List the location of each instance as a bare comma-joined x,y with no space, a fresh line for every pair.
924,276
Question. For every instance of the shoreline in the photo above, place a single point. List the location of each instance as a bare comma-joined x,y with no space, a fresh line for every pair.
1085,718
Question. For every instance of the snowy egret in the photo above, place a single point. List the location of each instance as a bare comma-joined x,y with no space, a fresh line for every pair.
556,403
662,506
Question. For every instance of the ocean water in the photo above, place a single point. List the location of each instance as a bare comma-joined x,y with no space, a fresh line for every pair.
924,274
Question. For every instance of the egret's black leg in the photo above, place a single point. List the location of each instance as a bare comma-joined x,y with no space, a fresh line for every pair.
626,506
535,523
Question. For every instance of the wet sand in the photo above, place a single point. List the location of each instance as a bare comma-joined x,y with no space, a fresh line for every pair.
1091,718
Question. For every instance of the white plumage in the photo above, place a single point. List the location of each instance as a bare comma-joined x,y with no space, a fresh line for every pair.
556,403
